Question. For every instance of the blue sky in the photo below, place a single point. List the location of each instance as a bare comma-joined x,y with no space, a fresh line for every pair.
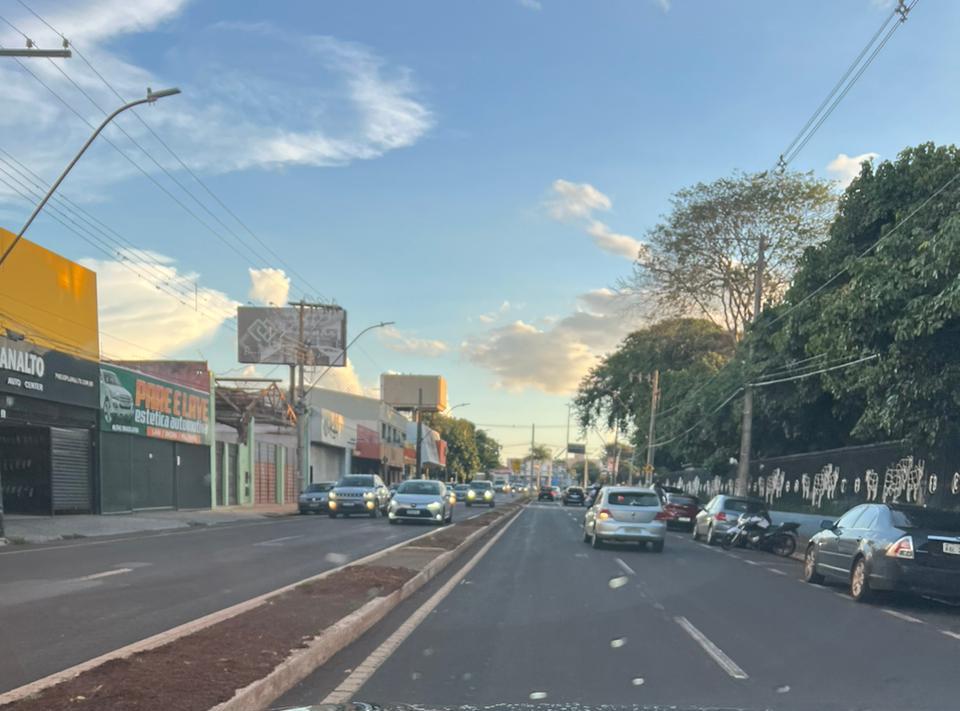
404,157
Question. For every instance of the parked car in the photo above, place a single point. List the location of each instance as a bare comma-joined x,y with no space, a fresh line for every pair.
878,547
626,514
421,500
721,514
546,493
313,499
574,496
480,492
358,493
681,510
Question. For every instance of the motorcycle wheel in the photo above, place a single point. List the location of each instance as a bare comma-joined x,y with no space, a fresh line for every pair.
784,546
727,541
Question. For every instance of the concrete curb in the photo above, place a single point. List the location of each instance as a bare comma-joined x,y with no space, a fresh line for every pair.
186,628
302,662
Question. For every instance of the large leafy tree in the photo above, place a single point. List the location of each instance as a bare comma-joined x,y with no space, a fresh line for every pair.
463,459
702,258
488,450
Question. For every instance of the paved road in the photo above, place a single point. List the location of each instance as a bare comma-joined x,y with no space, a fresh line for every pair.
543,614
61,604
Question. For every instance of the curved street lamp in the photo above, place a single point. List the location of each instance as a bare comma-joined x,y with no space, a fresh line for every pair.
151,97
382,324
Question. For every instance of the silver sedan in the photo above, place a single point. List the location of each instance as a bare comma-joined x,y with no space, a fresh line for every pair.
422,500
627,514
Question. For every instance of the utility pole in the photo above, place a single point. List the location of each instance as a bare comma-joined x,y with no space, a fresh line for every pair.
746,424
616,456
419,432
652,429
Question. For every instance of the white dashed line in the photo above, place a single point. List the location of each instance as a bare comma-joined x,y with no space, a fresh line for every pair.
623,566
904,617
276,541
717,654
750,562
949,633
775,570
105,574
843,595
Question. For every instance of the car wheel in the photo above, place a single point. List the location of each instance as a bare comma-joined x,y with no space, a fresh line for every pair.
333,514
393,522
375,513
469,504
696,533
586,536
711,540
657,546
492,504
860,581
810,573
595,541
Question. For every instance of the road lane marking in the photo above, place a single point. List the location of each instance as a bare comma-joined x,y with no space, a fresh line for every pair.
775,570
903,616
105,574
717,654
951,603
623,566
750,562
346,690
277,541
955,635
843,595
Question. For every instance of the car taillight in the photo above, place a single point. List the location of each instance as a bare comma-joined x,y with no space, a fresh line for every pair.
604,514
721,516
661,516
902,548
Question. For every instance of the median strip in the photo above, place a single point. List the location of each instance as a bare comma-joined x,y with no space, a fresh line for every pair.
251,657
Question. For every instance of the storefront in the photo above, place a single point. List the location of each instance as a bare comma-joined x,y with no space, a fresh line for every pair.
154,442
366,450
328,445
48,415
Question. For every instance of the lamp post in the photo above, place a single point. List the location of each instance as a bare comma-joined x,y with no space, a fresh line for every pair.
151,97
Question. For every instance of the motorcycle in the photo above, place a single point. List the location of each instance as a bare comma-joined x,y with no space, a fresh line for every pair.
756,532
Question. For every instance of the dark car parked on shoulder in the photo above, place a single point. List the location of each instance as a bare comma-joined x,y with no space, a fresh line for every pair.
680,510
574,496
878,547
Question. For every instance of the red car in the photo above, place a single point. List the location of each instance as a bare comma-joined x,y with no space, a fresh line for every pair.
680,510
548,493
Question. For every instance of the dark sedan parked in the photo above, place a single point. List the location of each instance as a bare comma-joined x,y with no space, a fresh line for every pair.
875,547
574,496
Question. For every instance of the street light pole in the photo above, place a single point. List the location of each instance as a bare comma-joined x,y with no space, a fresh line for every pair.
151,97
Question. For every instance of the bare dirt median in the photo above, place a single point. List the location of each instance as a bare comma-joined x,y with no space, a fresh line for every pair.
202,669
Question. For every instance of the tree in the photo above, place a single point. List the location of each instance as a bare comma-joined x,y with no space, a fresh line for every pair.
463,460
539,453
488,450
702,257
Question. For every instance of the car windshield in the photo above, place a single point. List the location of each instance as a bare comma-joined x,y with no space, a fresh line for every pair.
419,487
480,485
632,498
318,487
945,521
356,480
682,500
575,490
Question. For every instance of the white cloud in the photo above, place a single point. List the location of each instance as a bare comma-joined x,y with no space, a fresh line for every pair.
269,286
845,168
575,200
531,4
664,5
492,316
343,379
397,341
330,102
609,241
554,358
138,320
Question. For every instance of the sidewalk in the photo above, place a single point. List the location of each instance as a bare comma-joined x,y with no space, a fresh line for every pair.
42,529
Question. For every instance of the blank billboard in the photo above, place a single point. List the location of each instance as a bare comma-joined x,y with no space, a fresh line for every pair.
403,391
272,335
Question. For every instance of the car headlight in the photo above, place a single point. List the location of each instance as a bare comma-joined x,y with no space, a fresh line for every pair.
394,505
471,494
368,495
332,495
488,494
370,505
435,506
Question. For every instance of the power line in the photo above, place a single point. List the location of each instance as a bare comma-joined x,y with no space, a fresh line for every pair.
848,364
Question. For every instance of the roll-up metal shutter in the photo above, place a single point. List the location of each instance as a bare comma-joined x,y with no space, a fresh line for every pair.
70,462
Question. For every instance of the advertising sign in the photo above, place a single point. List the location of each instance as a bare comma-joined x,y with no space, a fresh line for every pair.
272,335
328,427
34,371
403,392
139,404
573,448
368,443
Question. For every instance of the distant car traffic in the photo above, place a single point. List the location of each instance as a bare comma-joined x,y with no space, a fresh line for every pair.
460,491
681,510
721,514
501,485
547,493
879,547
421,500
480,492
626,514
574,496
358,494
313,499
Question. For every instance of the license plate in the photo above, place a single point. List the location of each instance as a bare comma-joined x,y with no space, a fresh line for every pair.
951,548
684,519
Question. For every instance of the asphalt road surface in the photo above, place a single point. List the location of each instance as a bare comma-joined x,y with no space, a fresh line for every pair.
544,618
64,603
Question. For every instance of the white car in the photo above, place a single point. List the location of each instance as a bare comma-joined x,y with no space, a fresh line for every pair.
422,500
626,514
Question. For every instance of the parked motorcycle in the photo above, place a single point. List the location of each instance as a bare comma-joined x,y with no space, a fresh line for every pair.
755,531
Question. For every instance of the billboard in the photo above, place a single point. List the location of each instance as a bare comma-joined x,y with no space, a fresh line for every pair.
272,335
33,371
49,299
140,404
573,448
402,391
